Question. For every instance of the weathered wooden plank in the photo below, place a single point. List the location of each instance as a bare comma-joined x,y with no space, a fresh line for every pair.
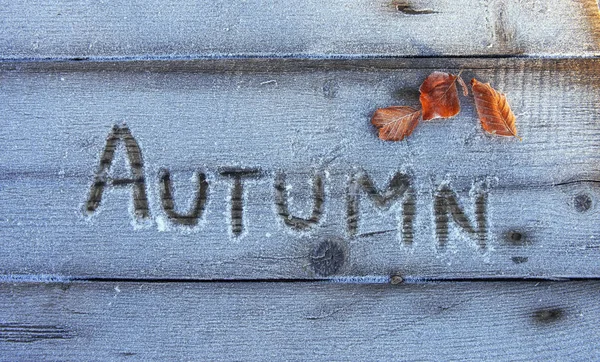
75,29
300,321
530,206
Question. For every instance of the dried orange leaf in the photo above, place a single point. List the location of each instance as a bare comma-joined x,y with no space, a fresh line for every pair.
395,123
493,110
439,96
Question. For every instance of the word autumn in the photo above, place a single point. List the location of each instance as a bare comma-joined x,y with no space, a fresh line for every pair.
399,190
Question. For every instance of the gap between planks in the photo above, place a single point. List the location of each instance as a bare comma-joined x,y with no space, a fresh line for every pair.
372,279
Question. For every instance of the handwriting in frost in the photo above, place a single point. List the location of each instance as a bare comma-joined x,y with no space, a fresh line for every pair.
398,196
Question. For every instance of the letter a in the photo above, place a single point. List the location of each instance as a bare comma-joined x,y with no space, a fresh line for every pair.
101,179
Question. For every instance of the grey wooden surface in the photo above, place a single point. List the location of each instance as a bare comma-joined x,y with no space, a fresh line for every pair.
250,212
295,124
300,321
312,28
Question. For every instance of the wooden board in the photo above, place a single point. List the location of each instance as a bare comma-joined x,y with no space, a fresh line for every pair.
299,321
306,28
201,181
531,205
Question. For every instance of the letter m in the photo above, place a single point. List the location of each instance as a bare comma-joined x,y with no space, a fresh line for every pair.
399,188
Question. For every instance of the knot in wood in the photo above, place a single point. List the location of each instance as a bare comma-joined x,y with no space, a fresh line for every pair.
328,257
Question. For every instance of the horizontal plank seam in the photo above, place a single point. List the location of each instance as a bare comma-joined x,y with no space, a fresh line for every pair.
284,56
381,279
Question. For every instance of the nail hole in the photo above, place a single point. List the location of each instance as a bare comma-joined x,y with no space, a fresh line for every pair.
396,279
516,238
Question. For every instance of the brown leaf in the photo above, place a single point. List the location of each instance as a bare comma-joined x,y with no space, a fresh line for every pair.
395,123
439,96
493,110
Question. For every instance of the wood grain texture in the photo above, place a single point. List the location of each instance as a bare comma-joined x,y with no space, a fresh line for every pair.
146,145
311,28
302,321
537,215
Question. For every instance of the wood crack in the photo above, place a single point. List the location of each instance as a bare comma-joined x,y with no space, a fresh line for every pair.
27,333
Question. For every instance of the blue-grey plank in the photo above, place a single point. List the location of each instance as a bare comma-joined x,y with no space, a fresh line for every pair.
300,321
529,208
311,28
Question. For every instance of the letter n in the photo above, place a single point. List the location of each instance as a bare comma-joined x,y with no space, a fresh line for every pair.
446,205
137,182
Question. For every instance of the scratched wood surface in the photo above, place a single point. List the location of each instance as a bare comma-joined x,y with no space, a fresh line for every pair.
300,321
313,28
199,181
526,208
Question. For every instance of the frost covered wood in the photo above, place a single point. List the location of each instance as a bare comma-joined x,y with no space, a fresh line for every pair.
265,148
149,147
306,28
299,321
